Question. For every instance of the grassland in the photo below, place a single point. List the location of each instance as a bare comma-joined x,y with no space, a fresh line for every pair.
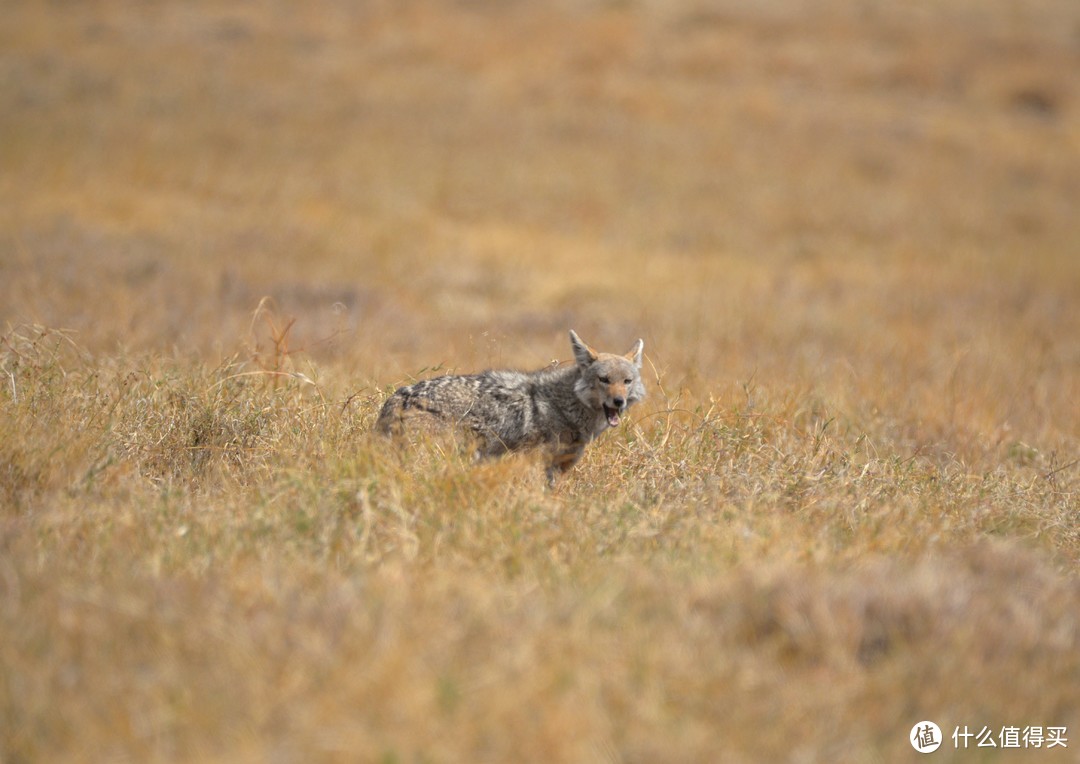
847,232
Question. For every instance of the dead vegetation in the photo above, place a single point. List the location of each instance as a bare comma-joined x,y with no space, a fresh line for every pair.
847,234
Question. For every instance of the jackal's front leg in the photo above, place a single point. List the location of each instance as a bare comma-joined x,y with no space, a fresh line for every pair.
563,461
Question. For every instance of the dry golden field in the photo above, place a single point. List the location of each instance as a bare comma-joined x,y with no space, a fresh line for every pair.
848,232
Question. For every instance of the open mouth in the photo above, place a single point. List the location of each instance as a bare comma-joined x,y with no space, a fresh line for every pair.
612,415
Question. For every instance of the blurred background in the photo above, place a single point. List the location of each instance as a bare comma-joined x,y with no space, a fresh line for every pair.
848,193
847,231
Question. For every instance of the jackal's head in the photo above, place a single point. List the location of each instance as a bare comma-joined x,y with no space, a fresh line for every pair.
609,382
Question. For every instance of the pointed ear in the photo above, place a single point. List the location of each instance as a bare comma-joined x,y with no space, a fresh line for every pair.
634,356
583,354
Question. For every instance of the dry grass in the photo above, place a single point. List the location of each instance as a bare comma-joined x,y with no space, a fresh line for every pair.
846,231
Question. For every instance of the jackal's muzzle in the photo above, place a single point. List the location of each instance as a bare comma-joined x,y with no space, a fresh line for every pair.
614,414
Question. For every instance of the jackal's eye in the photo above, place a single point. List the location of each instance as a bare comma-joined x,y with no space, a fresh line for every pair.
628,381
605,380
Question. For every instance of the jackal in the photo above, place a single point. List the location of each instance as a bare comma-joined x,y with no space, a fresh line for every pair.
558,409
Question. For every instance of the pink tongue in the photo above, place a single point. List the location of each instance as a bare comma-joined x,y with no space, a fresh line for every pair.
613,419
